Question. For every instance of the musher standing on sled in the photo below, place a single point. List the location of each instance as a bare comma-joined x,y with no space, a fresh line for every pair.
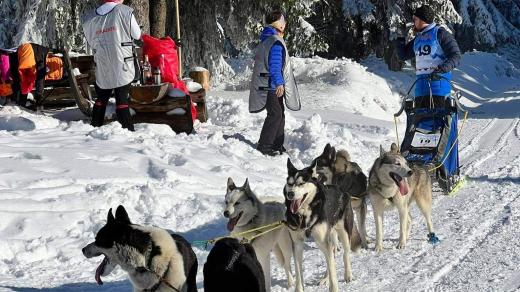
435,50
272,81
110,30
436,54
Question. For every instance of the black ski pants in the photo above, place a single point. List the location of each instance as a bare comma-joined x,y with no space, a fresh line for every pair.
272,135
122,109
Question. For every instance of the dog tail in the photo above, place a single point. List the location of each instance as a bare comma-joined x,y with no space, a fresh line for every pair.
355,240
350,226
343,154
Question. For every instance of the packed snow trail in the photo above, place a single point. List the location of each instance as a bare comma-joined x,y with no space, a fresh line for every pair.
58,179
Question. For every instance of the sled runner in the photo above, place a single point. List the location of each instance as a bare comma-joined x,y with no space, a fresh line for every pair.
431,137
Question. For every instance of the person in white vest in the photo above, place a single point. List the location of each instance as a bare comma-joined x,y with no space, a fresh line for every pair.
110,31
272,82
436,54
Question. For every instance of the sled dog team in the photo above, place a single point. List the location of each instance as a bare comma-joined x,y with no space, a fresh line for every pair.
320,202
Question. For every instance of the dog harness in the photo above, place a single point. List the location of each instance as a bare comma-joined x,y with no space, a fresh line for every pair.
297,221
232,261
162,279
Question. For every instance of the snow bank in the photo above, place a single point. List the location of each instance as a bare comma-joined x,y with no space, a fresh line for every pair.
59,178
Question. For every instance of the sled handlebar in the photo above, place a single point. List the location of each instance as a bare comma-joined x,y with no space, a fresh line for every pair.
430,78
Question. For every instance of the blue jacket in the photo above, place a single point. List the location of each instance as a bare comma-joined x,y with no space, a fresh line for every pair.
276,59
452,52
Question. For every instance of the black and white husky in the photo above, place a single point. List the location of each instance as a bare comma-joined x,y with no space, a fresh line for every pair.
246,212
154,259
317,210
336,168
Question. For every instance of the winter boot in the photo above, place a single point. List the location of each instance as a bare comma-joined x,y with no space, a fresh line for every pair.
125,118
22,100
98,115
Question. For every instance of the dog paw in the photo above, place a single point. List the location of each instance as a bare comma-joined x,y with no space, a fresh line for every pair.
325,281
401,245
348,277
290,282
433,239
379,247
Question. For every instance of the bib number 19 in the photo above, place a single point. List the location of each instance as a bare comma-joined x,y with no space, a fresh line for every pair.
425,50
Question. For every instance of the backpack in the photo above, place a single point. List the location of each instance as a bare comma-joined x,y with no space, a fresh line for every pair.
54,68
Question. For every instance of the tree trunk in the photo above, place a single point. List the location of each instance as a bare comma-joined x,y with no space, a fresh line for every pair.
141,13
158,9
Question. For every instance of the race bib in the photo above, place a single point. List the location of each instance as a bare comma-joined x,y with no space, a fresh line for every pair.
421,140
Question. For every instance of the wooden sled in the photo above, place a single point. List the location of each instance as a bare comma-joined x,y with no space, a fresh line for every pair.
79,87
150,102
151,105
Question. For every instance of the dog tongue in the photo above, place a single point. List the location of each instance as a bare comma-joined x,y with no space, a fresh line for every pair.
231,223
403,187
295,205
100,269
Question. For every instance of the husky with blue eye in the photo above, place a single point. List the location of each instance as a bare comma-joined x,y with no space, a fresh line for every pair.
154,259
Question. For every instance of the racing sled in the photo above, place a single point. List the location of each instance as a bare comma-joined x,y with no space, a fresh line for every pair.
431,137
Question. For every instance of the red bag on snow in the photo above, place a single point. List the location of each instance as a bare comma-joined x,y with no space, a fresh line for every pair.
154,47
170,69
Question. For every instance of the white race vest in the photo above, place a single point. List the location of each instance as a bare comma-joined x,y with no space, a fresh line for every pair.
428,51
111,41
260,80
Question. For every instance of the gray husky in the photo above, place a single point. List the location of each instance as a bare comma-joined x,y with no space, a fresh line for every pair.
336,168
154,259
317,210
245,212
392,183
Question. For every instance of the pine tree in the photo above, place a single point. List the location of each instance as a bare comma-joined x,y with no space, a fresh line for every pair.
215,29
487,24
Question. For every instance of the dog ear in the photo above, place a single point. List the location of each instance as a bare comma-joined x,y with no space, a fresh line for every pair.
332,155
312,168
121,215
291,170
231,184
394,149
110,217
381,151
246,184
326,150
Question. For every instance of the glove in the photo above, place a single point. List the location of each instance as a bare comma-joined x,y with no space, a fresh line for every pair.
440,69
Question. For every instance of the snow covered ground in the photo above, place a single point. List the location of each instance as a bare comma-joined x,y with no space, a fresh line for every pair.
58,178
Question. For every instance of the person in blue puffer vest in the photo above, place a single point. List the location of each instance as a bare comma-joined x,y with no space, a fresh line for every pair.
273,82
436,52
